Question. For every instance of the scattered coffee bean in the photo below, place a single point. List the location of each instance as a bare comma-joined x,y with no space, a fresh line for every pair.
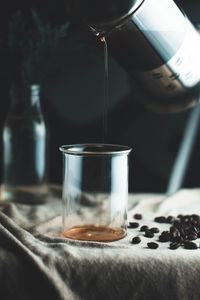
177,223
170,219
165,232
144,228
185,219
179,216
138,216
164,237
192,236
133,225
148,234
195,229
136,240
196,218
160,219
174,245
190,245
173,230
182,232
184,229
194,222
152,245
177,239
154,229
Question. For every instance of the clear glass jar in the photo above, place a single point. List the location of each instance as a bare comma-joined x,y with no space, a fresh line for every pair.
95,192
25,157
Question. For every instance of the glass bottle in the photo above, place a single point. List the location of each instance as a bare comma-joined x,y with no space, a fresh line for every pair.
25,157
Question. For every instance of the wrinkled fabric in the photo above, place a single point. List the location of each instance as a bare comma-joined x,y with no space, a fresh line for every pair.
37,263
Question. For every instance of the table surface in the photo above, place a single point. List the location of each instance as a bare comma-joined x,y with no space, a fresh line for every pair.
36,262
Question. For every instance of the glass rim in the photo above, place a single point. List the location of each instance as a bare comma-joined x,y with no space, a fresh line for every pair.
96,149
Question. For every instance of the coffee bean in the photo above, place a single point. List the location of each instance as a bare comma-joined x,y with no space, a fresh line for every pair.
177,224
164,237
192,236
133,225
177,239
173,230
148,234
152,245
160,219
174,235
138,216
170,219
136,240
196,217
154,229
144,228
195,230
194,222
190,245
182,232
188,227
174,245
186,220
165,232
184,229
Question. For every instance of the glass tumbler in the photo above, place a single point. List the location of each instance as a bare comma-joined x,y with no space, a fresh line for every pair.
95,192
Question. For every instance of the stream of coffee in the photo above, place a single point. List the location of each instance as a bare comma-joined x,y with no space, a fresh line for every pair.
105,121
106,94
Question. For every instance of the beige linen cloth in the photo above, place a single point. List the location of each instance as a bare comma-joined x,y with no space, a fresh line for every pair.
37,263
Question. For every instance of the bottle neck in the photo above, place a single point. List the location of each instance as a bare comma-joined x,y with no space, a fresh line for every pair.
25,100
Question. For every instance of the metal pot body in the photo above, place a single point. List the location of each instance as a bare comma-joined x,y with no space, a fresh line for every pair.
157,45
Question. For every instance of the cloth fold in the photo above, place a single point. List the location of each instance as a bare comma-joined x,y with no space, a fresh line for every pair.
36,262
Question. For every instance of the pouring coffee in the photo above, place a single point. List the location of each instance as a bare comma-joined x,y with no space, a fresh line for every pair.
154,42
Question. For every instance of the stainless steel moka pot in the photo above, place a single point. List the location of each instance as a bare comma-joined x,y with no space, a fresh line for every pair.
156,44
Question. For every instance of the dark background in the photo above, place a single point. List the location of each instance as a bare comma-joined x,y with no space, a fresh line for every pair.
72,101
